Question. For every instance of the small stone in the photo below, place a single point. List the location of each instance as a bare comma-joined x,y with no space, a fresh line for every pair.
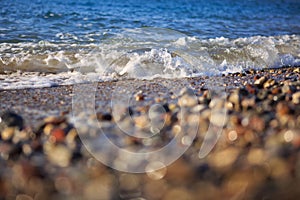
7,133
23,197
269,83
11,119
198,108
104,117
172,107
297,70
262,94
282,108
296,98
257,123
250,89
275,91
187,91
59,155
217,103
159,99
232,135
57,135
235,99
142,121
260,82
256,156
248,103
129,182
54,120
187,101
48,128
71,136
224,158
219,118
286,89
278,168
139,96
178,193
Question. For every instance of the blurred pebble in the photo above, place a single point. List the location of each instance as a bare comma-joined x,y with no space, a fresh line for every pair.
187,101
23,197
11,119
104,116
7,133
58,155
178,193
223,158
269,83
155,189
296,98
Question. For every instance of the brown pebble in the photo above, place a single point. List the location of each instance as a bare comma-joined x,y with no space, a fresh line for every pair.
256,156
224,158
57,135
250,89
275,91
257,123
282,108
140,96
178,193
155,189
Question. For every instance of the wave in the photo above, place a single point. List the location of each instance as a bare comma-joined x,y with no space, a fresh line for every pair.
148,53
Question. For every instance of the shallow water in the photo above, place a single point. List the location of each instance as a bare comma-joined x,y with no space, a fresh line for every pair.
101,40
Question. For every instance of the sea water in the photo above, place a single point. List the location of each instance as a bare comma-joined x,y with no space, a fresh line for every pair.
46,43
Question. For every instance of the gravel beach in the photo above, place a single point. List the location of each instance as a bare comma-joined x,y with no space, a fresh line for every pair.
255,157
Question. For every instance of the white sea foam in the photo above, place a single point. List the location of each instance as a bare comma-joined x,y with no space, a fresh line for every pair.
142,54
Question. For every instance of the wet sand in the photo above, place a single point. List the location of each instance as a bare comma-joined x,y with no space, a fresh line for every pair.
257,156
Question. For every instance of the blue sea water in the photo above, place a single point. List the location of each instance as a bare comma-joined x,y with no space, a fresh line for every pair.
86,20
180,38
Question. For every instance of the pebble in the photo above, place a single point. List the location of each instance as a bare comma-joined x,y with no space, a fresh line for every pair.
57,135
58,155
8,133
269,83
54,120
104,116
256,156
296,98
260,82
235,99
286,89
248,103
187,101
282,109
139,96
219,118
11,119
223,159
257,123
